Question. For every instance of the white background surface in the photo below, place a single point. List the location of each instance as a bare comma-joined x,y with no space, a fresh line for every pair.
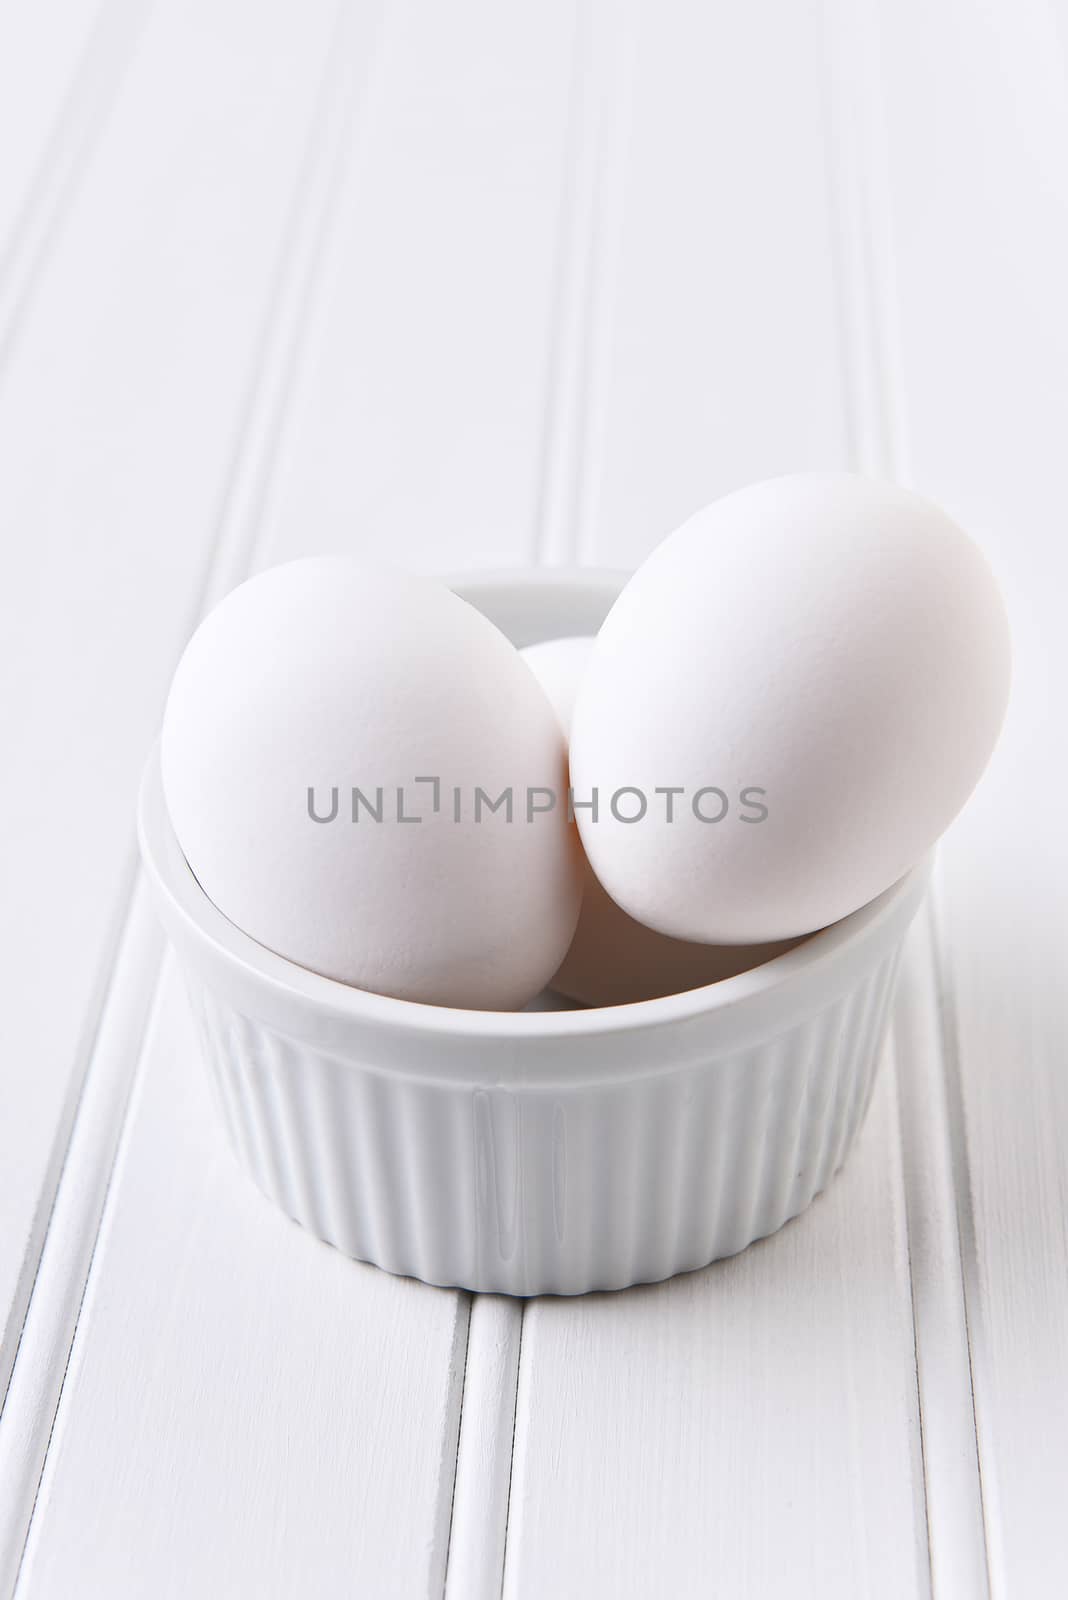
481,285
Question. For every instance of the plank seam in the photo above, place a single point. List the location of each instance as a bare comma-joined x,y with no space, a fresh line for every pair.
57,1161
468,1298
124,1075
902,1187
261,422
620,23
960,1167
487,1443
954,1505
297,277
598,94
861,308
511,1456
557,464
83,115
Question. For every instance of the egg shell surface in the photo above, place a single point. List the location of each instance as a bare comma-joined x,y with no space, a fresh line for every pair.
326,675
835,642
614,960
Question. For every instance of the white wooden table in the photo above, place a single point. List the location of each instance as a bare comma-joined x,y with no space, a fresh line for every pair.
487,284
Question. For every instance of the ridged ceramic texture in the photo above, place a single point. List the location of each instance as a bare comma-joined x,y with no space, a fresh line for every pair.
521,1191
552,1152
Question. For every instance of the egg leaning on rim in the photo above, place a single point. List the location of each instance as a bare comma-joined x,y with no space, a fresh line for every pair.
838,645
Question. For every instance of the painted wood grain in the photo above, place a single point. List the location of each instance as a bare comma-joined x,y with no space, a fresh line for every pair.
118,409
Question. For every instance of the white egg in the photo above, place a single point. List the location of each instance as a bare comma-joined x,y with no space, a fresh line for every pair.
614,960
819,667
317,711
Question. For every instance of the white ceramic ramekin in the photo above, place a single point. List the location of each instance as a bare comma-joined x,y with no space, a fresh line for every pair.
541,1151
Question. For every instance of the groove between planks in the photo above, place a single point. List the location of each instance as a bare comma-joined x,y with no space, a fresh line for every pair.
588,227
97,81
55,1305
479,1528
65,1256
14,1330
933,1180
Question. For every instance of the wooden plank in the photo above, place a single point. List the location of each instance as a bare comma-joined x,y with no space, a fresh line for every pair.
748,1429
364,1391
980,224
274,1419
117,418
